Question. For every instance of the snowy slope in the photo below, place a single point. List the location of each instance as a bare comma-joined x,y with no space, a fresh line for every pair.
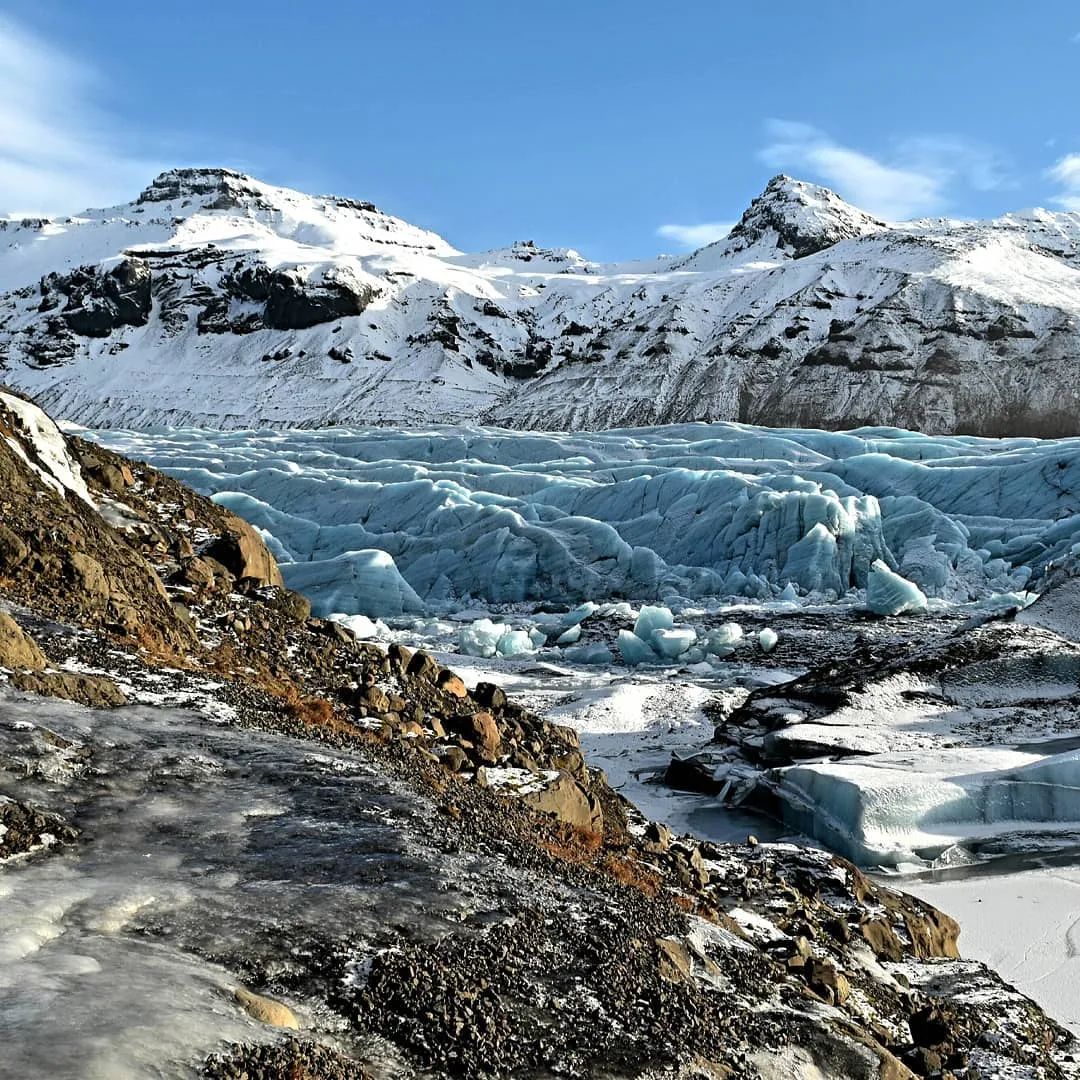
214,299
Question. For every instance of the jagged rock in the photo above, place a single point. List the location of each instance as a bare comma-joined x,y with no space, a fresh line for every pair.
13,551
451,684
88,576
674,961
564,798
100,301
94,691
242,551
17,648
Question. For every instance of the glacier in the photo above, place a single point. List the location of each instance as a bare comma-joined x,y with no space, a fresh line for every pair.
389,522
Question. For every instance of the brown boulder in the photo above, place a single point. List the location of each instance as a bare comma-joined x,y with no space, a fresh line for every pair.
564,798
449,683
13,551
89,578
881,937
17,648
240,549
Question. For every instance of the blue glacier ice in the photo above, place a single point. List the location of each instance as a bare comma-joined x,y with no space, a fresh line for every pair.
691,510
887,593
633,650
650,619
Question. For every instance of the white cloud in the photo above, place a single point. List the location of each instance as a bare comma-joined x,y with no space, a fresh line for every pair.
1066,174
696,236
58,152
914,179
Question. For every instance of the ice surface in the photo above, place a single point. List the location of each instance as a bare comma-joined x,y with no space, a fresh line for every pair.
46,452
633,650
673,643
767,639
724,639
694,510
887,593
905,807
650,619
367,582
481,638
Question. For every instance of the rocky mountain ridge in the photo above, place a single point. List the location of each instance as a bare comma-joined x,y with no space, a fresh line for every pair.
216,300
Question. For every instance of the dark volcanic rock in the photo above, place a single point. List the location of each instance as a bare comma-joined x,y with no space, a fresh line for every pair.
100,301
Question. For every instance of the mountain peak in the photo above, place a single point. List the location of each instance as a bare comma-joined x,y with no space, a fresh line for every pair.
799,218
223,188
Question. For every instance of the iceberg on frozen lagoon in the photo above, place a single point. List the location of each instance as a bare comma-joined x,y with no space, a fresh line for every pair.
481,638
651,619
515,643
887,593
355,582
767,639
724,639
673,643
899,808
633,650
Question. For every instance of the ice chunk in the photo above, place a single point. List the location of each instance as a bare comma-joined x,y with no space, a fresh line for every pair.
356,582
724,639
887,593
364,628
568,637
653,618
515,643
673,643
767,639
481,638
633,650
900,808
537,637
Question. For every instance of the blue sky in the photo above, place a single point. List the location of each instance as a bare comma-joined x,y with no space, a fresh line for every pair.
620,128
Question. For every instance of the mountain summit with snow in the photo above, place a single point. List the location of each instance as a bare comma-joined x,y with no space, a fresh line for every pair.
217,300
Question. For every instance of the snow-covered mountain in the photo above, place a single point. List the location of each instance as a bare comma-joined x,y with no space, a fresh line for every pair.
215,299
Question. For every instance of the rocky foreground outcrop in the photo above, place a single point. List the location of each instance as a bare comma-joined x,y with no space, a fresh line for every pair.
587,941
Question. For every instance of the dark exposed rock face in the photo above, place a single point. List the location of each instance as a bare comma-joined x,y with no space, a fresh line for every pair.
223,189
97,302
289,301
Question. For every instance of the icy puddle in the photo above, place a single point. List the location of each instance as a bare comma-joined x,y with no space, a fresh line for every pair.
205,852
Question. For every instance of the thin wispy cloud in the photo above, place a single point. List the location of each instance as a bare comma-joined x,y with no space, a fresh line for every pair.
695,236
59,152
1066,174
919,176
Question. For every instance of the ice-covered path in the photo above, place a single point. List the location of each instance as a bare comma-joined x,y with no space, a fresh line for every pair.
205,851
